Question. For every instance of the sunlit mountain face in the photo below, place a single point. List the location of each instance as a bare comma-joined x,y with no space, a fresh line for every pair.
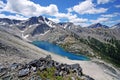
79,12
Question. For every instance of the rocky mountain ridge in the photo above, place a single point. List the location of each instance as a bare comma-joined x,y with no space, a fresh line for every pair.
36,27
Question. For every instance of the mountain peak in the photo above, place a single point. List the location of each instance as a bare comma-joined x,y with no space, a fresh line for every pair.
98,25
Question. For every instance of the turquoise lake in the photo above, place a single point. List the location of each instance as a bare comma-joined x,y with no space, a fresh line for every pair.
58,50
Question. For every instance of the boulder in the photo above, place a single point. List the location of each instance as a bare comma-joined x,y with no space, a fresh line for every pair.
59,73
75,66
33,63
56,64
48,58
34,69
42,68
23,72
50,63
14,66
42,59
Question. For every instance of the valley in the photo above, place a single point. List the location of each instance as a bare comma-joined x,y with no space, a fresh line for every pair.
98,42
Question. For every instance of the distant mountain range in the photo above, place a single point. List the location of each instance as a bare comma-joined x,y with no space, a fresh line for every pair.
41,28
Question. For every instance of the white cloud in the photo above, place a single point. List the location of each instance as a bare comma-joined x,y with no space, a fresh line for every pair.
85,24
100,20
78,20
103,1
71,18
2,4
29,8
108,15
54,20
17,17
117,6
87,7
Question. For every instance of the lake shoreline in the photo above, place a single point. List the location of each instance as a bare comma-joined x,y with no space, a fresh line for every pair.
56,49
91,68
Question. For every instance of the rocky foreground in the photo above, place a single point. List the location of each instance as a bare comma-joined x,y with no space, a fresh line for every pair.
35,69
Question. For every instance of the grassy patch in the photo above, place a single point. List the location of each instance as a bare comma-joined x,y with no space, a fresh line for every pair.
49,73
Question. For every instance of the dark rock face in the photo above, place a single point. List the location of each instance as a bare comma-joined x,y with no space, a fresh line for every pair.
9,21
42,28
32,20
6,20
42,64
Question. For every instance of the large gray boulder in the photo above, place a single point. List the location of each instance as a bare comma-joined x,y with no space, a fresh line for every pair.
23,72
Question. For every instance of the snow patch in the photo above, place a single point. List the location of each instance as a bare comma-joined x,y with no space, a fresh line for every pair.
3,23
30,26
26,36
40,21
49,23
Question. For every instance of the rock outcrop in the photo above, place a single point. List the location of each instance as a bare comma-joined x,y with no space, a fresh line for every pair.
27,71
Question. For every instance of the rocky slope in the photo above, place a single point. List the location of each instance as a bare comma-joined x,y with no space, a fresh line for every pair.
13,49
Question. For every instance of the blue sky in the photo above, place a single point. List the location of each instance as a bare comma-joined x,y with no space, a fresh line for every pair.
80,12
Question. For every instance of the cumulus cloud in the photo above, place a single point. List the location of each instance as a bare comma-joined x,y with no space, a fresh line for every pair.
87,7
2,4
18,17
71,18
28,8
78,20
54,20
100,20
103,1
